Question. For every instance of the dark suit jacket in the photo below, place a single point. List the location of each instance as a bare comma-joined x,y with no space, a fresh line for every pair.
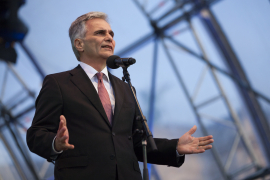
99,146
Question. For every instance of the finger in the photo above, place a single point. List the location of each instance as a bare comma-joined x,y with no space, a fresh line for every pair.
197,151
70,146
206,147
62,118
67,146
61,132
205,138
61,124
192,130
203,143
63,139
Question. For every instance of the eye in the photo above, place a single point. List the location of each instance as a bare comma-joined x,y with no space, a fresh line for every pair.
100,32
112,34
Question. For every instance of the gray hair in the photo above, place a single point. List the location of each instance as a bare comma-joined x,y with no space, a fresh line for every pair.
78,30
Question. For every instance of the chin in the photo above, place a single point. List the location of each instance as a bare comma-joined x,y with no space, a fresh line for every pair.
107,55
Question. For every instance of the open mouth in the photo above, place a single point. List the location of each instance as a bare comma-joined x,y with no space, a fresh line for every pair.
107,47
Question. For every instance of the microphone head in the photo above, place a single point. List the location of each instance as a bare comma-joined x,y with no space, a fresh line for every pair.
131,61
110,62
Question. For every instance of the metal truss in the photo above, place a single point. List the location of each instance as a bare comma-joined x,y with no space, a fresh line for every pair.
12,110
201,9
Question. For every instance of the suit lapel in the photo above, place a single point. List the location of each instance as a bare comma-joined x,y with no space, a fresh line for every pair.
119,96
80,79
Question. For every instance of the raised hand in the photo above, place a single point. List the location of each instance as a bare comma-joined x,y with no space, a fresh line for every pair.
188,144
62,136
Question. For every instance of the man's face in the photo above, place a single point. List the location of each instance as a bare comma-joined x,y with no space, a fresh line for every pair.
98,42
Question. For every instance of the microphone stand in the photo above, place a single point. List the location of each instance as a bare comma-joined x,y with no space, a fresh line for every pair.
147,133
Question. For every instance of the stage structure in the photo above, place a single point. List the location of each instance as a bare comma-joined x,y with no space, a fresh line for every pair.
17,104
16,97
165,35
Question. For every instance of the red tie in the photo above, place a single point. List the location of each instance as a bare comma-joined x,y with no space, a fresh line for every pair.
104,97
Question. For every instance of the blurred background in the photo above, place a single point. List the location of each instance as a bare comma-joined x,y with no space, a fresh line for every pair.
199,62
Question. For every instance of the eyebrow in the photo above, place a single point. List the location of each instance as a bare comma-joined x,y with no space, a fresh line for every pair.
103,31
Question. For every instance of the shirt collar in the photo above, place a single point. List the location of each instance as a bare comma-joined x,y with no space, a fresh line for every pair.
91,72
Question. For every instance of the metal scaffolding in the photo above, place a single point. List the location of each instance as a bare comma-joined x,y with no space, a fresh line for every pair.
10,114
202,9
12,110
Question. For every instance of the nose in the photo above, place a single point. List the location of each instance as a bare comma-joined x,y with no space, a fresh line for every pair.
108,38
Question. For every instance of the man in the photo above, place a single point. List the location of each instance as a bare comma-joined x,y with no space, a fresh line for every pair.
94,137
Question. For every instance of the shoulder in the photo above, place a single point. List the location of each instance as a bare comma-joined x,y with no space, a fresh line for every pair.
62,75
117,80
113,77
121,83
65,73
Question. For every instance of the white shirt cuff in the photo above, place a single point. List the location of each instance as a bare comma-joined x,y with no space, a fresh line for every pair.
56,152
178,155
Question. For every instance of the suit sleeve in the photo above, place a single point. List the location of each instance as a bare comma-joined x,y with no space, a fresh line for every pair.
166,154
45,124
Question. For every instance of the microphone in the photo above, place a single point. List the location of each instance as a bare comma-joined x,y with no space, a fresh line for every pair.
115,62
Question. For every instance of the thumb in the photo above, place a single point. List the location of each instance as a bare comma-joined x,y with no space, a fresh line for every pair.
192,130
62,117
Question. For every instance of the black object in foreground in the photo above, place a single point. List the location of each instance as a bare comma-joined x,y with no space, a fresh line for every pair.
115,62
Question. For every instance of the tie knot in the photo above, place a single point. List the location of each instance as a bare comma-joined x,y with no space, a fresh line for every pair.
100,76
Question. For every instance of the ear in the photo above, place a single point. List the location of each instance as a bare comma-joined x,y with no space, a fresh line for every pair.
79,45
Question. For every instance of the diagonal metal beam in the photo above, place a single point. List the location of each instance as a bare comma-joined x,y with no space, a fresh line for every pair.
33,60
137,45
153,95
236,69
200,57
13,157
21,147
231,111
204,131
